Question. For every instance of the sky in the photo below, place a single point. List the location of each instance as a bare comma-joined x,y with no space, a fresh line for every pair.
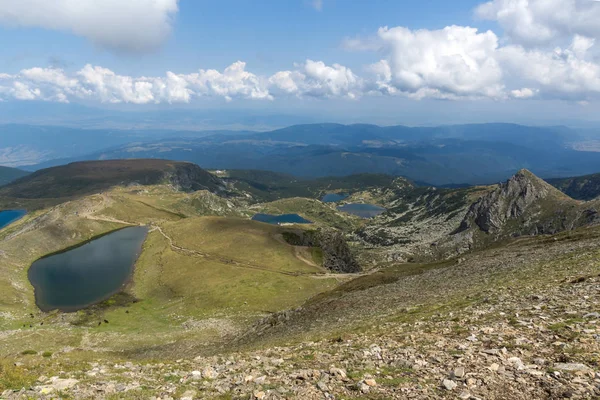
431,61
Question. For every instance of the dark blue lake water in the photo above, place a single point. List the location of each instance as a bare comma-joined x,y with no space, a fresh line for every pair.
88,274
334,197
280,219
7,217
362,210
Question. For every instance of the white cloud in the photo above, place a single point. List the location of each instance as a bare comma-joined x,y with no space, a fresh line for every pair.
95,83
316,79
564,73
122,25
460,62
317,4
449,63
234,82
536,22
524,93
452,63
22,91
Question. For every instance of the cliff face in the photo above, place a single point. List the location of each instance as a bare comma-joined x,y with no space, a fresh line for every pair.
337,256
510,201
189,177
526,205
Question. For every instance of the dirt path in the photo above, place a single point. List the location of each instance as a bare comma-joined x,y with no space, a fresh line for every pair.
90,214
221,259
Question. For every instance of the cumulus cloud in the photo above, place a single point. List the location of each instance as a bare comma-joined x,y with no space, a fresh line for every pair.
524,93
316,79
460,62
452,62
536,22
131,25
549,55
566,73
95,83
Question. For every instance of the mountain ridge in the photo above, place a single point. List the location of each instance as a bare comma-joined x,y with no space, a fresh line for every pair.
88,177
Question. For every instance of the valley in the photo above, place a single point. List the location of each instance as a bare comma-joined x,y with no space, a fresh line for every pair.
352,306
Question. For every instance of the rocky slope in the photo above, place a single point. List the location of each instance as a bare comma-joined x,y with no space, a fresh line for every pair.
524,205
436,223
519,322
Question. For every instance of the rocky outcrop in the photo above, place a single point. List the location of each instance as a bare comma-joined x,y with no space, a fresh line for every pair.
337,256
189,177
524,199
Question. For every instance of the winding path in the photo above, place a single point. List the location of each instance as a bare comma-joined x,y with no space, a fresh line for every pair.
90,214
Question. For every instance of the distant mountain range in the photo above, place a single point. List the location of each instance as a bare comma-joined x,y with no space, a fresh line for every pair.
445,155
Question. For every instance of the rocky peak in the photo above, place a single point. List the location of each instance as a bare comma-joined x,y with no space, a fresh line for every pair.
509,201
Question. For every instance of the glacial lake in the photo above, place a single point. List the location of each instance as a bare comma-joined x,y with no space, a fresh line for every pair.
334,197
7,217
88,274
280,219
362,210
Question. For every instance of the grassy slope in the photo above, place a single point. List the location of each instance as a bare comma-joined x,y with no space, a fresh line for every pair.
414,292
84,178
180,298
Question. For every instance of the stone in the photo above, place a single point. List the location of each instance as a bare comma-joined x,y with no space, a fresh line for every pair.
572,367
209,373
516,362
494,367
464,395
363,387
58,384
196,375
259,395
189,395
449,384
338,372
371,382
594,315
459,373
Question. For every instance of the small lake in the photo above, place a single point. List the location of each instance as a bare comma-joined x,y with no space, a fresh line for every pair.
334,197
88,274
362,210
7,217
280,219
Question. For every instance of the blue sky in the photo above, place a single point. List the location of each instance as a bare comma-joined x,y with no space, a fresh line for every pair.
497,57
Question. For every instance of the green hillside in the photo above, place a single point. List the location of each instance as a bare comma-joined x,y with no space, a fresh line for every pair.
581,188
83,178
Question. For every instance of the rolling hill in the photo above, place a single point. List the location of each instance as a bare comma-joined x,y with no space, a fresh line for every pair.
82,178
